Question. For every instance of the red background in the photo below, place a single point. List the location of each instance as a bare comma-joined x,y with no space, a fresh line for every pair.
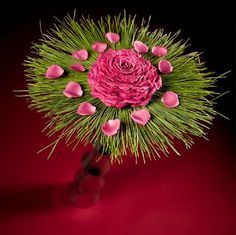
191,194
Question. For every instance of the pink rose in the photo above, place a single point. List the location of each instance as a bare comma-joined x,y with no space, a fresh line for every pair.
121,78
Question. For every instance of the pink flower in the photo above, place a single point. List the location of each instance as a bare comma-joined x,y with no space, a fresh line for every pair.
99,47
86,109
77,67
170,99
165,66
159,51
121,78
140,47
80,54
113,37
141,116
111,127
54,71
73,89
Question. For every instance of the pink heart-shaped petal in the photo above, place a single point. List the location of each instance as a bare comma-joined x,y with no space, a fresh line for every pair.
54,71
159,51
111,127
99,47
165,66
86,109
77,67
141,116
80,54
140,47
73,89
170,99
113,37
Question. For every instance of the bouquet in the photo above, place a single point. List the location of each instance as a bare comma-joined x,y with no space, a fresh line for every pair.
119,85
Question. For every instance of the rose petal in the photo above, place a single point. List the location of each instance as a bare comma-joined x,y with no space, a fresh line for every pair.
86,108
99,47
159,51
113,37
140,47
159,83
111,127
80,54
165,66
141,116
170,99
73,89
54,71
77,67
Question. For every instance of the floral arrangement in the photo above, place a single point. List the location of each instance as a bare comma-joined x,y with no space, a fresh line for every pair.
119,85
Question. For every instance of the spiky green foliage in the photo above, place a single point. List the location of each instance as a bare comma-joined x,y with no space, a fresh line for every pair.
190,80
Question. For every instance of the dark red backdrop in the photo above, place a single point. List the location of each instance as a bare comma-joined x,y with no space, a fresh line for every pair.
192,194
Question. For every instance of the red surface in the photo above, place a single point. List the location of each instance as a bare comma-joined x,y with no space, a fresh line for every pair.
192,194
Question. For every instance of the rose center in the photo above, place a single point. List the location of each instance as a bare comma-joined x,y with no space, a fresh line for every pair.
125,65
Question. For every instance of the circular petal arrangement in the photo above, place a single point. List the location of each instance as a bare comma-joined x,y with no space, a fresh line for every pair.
121,86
